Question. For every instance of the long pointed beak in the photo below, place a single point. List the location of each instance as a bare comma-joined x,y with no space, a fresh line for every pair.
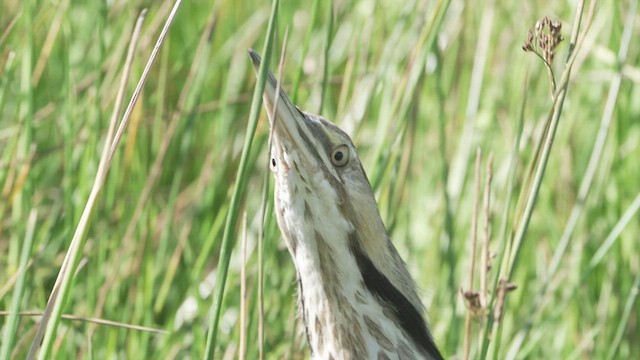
287,118
290,124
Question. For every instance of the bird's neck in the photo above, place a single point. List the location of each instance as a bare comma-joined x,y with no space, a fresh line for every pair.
327,293
343,318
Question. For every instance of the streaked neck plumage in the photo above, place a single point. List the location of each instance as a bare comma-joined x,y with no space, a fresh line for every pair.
356,297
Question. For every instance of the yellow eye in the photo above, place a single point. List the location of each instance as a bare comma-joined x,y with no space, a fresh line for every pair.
340,155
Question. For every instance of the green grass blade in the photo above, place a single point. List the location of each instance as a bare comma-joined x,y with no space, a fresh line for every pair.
305,50
14,316
239,189
62,288
327,48
624,319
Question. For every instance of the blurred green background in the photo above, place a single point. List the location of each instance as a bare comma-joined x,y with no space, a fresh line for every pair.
417,92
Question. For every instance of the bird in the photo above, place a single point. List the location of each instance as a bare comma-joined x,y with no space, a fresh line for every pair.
356,297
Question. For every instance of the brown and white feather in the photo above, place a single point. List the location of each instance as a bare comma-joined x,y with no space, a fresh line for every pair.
356,297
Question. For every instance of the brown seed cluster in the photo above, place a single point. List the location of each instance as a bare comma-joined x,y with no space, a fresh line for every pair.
544,40
472,301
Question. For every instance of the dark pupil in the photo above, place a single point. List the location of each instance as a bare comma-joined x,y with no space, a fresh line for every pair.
338,155
273,162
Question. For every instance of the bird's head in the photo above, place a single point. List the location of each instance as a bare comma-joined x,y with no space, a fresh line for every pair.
315,161
325,205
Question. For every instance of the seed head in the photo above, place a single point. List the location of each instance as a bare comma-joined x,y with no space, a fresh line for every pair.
545,39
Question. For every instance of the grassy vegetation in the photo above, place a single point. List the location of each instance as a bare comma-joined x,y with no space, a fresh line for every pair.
419,86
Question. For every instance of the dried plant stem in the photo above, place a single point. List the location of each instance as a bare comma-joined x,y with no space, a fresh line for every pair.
52,314
93,320
543,152
126,243
474,219
594,161
484,270
468,295
467,335
263,206
243,290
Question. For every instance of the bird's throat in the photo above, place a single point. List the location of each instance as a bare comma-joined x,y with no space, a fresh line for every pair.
343,317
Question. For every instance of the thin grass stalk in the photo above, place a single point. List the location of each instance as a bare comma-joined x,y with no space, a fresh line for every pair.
88,209
263,221
172,267
8,27
404,159
461,161
9,64
49,41
598,147
585,345
68,132
183,105
216,228
327,48
103,322
628,215
18,171
62,287
614,235
263,205
408,84
242,352
472,256
511,181
592,167
540,163
6,175
447,251
546,143
624,320
22,186
11,281
393,165
485,262
22,200
17,298
305,50
169,272
348,77
238,191
202,52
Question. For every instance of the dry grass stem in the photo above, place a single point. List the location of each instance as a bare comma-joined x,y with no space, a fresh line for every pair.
103,322
263,206
242,354
64,275
504,287
471,297
486,258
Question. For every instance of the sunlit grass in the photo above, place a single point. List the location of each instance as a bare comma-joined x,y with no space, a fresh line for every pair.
419,86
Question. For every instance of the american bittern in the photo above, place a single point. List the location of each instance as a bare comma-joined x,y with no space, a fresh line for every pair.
355,294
